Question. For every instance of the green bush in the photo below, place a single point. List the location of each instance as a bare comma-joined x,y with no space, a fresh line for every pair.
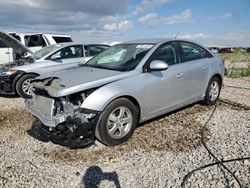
239,72
236,57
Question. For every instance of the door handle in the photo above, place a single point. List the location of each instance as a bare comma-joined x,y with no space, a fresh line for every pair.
179,75
205,67
7,52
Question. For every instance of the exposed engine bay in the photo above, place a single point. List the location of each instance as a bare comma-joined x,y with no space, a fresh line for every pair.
19,62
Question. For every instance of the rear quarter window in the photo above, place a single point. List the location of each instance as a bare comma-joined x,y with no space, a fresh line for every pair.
93,50
62,39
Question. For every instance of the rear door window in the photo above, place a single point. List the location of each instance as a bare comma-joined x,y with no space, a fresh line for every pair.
193,52
69,52
167,52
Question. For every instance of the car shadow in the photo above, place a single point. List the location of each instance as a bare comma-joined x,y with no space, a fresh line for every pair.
9,96
94,176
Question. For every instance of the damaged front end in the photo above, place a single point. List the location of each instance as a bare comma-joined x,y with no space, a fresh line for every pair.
62,120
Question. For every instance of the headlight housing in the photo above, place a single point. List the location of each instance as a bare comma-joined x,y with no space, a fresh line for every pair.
8,72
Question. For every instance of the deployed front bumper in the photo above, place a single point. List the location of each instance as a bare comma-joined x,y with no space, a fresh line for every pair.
80,137
45,118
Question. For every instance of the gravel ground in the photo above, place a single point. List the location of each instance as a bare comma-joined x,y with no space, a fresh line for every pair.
160,153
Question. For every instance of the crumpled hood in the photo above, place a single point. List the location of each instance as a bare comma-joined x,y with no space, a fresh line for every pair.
71,81
13,43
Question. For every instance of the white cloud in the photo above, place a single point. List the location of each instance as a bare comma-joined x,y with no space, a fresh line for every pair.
183,17
239,36
149,5
197,36
226,15
148,18
63,17
118,27
153,18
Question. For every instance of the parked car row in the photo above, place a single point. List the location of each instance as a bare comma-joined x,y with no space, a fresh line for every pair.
217,50
15,76
245,50
34,41
106,97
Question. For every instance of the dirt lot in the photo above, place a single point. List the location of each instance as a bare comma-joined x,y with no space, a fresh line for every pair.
160,154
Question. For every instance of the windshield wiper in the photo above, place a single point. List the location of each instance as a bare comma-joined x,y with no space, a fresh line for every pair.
99,67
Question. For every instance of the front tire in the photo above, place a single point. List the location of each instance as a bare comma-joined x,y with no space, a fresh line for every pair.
213,91
23,86
117,122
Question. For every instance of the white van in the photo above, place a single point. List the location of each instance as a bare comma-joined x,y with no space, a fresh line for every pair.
34,41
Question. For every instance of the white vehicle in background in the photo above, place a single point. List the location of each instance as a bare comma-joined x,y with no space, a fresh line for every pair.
34,41
15,76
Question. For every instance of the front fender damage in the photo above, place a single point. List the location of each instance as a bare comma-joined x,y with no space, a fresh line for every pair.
77,131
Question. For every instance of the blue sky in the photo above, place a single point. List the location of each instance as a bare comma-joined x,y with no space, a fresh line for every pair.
221,22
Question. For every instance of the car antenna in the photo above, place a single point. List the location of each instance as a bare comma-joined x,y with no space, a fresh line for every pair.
175,37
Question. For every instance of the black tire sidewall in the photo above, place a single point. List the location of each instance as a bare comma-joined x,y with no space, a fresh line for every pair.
102,123
19,84
208,101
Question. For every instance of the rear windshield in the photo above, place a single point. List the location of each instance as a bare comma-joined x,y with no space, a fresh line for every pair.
62,39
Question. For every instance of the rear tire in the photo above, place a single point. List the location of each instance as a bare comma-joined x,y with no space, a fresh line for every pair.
213,91
117,122
23,87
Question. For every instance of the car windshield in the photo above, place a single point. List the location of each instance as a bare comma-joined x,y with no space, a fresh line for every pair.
46,50
121,57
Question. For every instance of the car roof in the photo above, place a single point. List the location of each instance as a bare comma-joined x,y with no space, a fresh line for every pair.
161,40
75,43
158,40
148,40
39,33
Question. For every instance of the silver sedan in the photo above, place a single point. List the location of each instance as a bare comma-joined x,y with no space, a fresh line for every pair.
125,85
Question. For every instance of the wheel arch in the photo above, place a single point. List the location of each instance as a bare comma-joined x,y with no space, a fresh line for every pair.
218,76
21,74
133,100
101,98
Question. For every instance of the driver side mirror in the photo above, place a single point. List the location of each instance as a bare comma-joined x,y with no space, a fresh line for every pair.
55,57
158,65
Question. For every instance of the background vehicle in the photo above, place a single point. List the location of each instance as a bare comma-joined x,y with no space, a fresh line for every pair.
15,76
226,50
215,50
34,41
127,84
